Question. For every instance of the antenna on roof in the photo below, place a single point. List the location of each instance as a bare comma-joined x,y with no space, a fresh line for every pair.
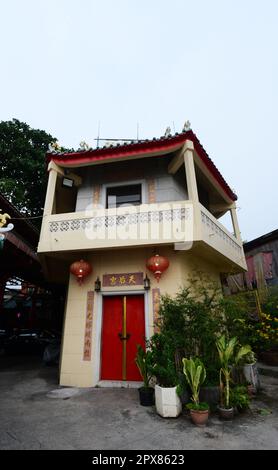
98,134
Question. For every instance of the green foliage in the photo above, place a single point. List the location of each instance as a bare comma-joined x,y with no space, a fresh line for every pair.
239,397
264,332
228,356
23,175
203,406
190,324
143,361
195,374
191,320
162,360
260,330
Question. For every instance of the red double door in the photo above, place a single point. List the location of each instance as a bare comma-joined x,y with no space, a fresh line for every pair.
123,327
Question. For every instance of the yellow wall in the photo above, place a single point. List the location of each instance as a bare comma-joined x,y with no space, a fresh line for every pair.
74,370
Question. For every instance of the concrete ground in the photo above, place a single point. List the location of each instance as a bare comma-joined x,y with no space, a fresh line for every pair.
36,414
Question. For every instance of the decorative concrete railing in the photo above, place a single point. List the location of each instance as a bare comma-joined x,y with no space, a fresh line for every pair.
147,224
107,221
217,236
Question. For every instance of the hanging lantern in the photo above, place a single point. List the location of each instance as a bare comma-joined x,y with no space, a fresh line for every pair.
80,269
157,264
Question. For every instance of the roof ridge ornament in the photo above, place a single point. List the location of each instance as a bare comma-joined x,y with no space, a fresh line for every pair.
3,222
83,145
167,132
186,126
54,147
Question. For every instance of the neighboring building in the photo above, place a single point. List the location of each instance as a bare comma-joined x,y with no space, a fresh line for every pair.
18,257
262,264
115,207
26,299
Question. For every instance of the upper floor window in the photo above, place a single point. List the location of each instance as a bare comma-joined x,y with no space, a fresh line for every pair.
118,196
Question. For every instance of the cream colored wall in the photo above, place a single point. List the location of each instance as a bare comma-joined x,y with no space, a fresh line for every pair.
75,371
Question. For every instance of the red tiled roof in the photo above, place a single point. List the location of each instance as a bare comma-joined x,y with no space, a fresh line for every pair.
170,144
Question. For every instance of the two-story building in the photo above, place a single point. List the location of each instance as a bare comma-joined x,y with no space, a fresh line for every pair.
116,207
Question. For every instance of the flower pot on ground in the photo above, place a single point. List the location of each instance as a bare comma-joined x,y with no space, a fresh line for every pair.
195,374
198,413
226,413
143,362
146,396
167,402
251,375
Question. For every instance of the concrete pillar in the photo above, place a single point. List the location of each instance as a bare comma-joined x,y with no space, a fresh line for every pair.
50,193
192,189
235,222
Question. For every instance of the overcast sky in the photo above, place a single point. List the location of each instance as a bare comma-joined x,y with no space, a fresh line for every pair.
68,64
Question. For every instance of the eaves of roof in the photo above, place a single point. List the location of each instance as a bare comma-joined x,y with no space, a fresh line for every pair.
162,144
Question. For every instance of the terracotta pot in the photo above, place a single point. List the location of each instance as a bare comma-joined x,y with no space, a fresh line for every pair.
226,413
199,417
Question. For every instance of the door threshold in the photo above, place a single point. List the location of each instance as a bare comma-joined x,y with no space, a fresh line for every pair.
119,384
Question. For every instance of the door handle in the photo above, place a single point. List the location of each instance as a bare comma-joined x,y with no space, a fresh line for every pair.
123,338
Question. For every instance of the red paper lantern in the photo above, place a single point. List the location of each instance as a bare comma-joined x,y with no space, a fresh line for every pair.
157,264
80,269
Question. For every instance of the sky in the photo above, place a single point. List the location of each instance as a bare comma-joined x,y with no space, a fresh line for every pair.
70,66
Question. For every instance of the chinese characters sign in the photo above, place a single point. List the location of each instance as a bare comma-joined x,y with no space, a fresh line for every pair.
88,327
122,279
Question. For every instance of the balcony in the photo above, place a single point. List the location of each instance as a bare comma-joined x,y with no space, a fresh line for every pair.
175,223
214,234
147,224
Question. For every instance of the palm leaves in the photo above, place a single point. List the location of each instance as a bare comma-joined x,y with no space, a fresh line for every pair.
195,374
228,357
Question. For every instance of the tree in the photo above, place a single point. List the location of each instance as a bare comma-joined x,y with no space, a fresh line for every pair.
23,172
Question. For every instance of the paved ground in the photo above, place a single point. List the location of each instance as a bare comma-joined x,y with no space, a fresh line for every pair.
34,415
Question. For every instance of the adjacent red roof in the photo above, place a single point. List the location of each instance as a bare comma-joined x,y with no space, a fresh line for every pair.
170,144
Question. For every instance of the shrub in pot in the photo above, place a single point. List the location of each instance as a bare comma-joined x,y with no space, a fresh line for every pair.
167,401
250,371
143,362
195,374
228,358
239,398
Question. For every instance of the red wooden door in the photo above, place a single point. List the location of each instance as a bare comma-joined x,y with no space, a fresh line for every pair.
123,328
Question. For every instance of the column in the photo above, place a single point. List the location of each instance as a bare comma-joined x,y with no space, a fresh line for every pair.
192,189
235,222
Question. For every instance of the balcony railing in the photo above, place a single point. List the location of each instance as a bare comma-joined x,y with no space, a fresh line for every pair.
124,226
219,238
147,224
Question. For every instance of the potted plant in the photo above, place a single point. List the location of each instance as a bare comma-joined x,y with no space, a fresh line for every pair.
250,371
143,361
228,357
163,368
239,398
195,374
